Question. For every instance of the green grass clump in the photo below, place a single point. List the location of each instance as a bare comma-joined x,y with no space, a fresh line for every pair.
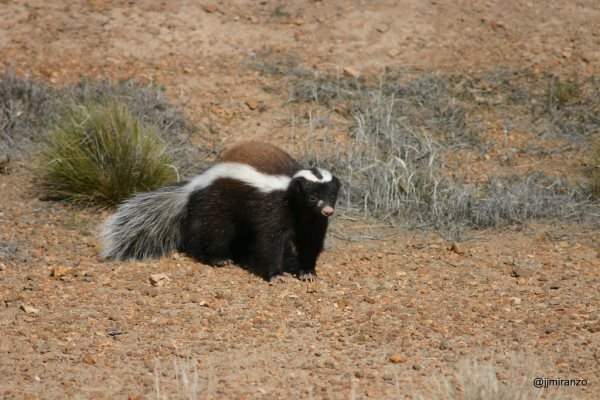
100,153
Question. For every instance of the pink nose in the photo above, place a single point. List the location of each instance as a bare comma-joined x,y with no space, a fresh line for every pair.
327,211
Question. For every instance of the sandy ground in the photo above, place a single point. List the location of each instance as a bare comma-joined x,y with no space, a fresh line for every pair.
385,317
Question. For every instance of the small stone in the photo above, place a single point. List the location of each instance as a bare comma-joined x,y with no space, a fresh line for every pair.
29,309
252,104
515,300
382,28
151,292
497,25
454,247
524,268
159,279
210,8
443,345
359,374
42,347
60,271
388,377
397,359
592,326
89,359
591,57
549,329
149,364
393,53
351,72
417,367
2,267
370,300
562,366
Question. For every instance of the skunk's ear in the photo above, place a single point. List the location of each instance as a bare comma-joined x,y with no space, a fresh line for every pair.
297,185
337,183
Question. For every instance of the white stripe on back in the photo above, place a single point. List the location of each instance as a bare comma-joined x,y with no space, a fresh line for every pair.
240,172
310,176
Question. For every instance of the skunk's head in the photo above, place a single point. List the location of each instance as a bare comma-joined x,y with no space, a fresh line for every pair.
317,189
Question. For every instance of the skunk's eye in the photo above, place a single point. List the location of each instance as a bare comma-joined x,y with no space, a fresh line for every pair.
312,198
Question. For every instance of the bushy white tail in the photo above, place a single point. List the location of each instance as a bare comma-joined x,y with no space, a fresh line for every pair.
147,225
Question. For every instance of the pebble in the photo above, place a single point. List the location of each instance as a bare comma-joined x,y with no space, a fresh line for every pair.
524,268
42,347
159,279
393,53
210,8
382,28
397,359
454,247
60,271
89,359
252,104
30,309
351,72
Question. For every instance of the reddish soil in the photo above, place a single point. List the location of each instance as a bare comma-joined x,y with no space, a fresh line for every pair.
385,316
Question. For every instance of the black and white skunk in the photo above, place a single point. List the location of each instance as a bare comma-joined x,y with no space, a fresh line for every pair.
232,211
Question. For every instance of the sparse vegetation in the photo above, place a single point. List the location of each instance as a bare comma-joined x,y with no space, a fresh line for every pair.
190,384
594,168
149,104
403,126
477,381
9,251
100,153
26,108
280,12
28,111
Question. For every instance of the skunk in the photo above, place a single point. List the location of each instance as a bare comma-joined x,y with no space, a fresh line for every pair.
232,211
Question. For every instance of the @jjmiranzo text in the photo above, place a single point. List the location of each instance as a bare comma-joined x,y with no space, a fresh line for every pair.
544,383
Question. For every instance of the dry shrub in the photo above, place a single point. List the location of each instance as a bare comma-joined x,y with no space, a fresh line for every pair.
475,380
403,124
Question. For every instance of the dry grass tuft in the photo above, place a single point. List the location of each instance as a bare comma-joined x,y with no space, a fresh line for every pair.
474,380
403,124
26,108
594,169
184,381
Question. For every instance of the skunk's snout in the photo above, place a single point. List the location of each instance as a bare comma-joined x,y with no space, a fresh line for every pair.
327,211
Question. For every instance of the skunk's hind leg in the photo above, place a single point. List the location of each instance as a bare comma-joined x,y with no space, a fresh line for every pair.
209,243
